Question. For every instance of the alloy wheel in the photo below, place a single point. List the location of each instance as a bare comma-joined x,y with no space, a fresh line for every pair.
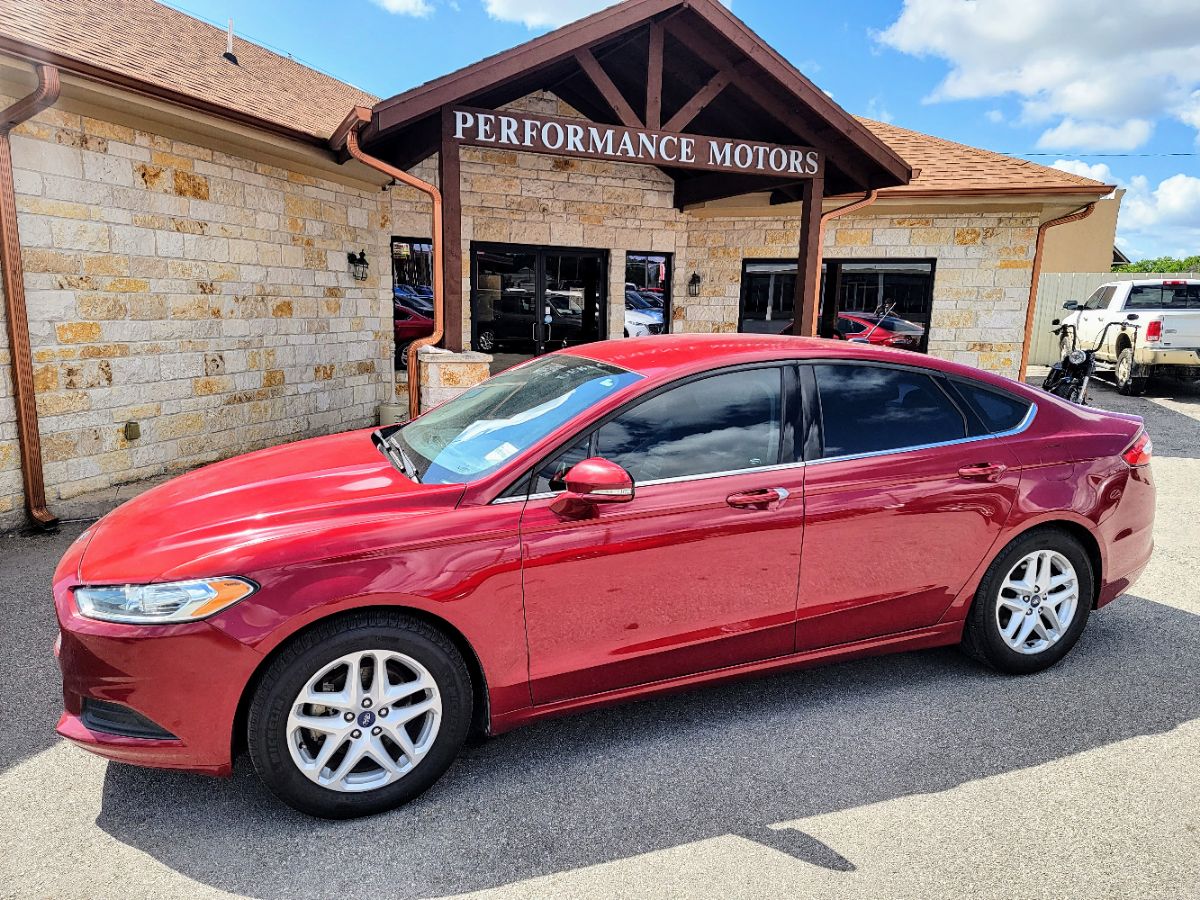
1038,601
486,341
364,721
1124,368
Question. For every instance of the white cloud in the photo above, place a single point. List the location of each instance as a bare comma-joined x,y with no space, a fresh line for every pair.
1070,134
877,110
1095,71
418,8
543,13
1154,221
995,116
1095,171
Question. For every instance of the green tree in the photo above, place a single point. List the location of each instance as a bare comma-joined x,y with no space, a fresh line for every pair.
1165,264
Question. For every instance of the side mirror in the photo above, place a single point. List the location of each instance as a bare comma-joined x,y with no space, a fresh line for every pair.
1056,322
1071,304
592,482
1132,317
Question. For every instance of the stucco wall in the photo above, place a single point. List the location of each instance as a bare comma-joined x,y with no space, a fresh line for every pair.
202,294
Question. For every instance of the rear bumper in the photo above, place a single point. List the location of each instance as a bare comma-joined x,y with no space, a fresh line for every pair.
1180,357
1128,534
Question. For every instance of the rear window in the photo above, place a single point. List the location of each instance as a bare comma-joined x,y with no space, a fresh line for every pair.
869,409
1164,296
999,411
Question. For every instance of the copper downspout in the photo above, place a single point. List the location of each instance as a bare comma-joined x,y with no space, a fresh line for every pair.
870,197
1031,309
414,371
15,312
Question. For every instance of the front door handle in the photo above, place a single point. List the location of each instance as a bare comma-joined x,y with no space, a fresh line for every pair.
983,471
764,498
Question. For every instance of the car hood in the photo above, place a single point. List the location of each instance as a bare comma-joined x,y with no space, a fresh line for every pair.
257,511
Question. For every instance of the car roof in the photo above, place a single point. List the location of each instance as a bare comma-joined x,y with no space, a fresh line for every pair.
668,356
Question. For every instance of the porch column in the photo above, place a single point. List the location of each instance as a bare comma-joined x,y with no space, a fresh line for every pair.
808,264
450,184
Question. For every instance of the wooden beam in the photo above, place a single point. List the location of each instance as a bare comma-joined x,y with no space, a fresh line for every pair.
450,184
654,77
700,100
832,144
612,96
808,263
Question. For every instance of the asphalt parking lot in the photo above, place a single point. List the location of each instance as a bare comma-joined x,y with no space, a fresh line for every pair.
919,775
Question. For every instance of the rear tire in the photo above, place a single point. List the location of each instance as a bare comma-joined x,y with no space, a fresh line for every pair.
1023,619
1129,382
417,717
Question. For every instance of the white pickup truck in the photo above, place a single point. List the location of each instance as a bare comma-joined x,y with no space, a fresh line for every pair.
1155,329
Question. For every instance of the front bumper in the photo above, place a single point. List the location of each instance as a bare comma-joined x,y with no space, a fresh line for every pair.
187,679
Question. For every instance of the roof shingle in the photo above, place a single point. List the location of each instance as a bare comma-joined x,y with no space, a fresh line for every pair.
162,47
169,49
945,166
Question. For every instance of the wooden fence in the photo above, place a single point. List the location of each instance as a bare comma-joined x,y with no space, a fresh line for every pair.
1055,289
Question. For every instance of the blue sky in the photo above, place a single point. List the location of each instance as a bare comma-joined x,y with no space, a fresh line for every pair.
1078,83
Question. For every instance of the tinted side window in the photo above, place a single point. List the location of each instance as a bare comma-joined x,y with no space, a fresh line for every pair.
999,411
550,476
1100,299
865,409
717,424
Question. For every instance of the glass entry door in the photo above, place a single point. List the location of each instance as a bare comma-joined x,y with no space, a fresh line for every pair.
531,300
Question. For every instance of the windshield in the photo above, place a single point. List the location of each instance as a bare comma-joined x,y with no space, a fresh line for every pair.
468,437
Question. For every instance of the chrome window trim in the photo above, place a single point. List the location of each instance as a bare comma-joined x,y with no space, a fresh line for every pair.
1020,427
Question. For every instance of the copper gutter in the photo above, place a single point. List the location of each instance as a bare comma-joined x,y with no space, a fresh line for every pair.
414,370
868,198
1035,276
15,312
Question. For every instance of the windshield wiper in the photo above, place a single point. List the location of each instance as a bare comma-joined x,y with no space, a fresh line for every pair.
395,454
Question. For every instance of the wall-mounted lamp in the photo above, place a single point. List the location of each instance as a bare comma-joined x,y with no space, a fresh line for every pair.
694,285
359,267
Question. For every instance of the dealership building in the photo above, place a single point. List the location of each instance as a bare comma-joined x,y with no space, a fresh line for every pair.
206,244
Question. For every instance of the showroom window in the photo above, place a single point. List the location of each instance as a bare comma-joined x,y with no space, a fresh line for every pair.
870,409
648,277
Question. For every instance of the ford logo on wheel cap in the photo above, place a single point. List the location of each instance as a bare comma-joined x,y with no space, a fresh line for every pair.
366,719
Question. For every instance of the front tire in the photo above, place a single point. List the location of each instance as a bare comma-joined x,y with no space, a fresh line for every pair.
360,715
1032,603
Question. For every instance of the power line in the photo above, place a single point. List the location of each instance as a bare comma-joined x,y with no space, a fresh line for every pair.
1108,155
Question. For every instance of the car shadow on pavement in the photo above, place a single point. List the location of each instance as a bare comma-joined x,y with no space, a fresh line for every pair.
734,759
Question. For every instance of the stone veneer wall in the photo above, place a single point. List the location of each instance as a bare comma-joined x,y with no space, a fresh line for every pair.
981,277
202,294
531,198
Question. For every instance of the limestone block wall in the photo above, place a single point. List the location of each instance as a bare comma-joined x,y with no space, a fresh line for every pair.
984,263
204,295
530,198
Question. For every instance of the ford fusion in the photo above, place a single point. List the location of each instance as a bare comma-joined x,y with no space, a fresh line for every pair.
621,520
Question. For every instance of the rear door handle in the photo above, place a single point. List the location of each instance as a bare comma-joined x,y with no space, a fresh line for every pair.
983,471
765,498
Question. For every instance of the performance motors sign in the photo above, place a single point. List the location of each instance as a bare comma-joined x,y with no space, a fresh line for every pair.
575,137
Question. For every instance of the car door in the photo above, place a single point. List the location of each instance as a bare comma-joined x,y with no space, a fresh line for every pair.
699,571
904,496
1092,316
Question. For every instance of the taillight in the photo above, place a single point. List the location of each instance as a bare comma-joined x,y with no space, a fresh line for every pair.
1154,330
1139,451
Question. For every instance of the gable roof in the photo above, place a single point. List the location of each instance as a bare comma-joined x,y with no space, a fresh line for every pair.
123,41
943,168
160,51
761,96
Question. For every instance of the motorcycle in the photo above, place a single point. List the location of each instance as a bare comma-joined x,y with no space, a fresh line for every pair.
1069,377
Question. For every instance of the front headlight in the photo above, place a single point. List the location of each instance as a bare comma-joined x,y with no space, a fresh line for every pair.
158,604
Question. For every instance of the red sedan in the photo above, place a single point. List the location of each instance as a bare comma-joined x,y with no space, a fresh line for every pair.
410,323
885,331
621,520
